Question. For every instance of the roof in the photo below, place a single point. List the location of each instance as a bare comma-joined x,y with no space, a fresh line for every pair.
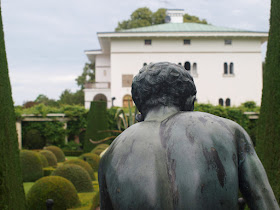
183,27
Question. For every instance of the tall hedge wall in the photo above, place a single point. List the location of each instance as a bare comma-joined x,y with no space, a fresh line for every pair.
268,136
11,188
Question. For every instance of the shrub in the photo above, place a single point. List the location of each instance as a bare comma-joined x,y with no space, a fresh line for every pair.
99,148
59,154
92,159
34,140
61,190
31,166
50,157
72,152
77,175
84,164
43,159
48,171
95,201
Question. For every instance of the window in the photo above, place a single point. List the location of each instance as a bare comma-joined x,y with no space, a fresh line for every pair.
227,102
221,102
228,42
144,64
231,68
187,41
127,80
225,68
148,42
187,66
127,101
194,69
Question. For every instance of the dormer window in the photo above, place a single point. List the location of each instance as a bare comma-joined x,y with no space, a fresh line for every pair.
228,42
187,42
148,42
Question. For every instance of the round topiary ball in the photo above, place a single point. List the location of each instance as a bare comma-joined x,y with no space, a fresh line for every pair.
34,140
43,159
99,148
50,157
92,159
59,154
31,166
57,188
77,175
84,164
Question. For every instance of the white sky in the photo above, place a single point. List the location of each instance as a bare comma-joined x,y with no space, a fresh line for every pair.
45,40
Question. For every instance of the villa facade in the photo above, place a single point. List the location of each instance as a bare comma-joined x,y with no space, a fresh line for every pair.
226,63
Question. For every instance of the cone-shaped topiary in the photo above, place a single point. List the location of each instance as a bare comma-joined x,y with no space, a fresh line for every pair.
77,175
11,187
33,139
99,149
50,157
43,159
84,164
61,190
268,129
92,159
31,166
59,154
96,121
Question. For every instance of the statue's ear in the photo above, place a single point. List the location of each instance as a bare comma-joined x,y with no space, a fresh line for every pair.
139,117
189,104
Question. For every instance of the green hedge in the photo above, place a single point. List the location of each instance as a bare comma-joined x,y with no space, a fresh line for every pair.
59,154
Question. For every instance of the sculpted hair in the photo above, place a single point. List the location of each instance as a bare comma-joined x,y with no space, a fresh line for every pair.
164,84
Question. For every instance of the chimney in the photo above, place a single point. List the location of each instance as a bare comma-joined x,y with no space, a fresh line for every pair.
174,16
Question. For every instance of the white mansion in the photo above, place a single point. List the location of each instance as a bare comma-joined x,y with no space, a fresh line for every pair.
226,63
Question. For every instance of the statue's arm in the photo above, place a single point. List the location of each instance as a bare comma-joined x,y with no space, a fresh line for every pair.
253,181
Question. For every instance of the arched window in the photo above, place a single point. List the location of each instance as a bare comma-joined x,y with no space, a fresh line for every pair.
194,69
231,68
187,66
127,99
227,102
144,64
221,102
225,68
100,97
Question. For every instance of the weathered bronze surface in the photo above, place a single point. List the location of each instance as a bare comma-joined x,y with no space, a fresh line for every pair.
177,158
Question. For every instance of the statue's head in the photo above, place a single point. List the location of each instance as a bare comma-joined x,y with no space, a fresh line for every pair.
163,84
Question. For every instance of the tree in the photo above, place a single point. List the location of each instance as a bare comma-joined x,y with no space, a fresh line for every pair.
67,97
145,17
11,187
88,75
43,99
268,135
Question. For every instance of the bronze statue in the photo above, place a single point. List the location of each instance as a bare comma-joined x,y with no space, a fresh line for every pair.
177,158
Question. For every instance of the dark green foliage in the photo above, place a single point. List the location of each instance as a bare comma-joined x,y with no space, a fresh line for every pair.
268,135
88,70
96,121
83,164
92,159
52,160
61,190
59,154
33,140
67,97
77,175
48,171
31,166
72,152
11,188
99,149
43,160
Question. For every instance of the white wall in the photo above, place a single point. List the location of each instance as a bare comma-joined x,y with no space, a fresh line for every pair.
102,68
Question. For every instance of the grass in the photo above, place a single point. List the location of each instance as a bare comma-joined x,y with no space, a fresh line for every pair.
71,157
27,186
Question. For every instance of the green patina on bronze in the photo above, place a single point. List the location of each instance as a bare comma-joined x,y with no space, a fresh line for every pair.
177,158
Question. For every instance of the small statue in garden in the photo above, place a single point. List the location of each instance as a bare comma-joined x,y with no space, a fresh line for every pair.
177,158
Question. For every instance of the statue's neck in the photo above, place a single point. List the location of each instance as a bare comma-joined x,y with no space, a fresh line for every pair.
160,113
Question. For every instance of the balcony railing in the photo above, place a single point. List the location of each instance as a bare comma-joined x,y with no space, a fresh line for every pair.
98,85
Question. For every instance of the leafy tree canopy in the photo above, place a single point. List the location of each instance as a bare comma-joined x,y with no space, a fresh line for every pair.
67,97
88,75
145,17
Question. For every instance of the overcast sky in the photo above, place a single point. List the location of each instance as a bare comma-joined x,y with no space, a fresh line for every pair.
45,40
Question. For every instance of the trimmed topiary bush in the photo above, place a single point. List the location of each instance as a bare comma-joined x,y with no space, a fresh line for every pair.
50,157
99,149
34,140
43,159
92,159
77,175
84,164
31,166
61,190
48,171
59,154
